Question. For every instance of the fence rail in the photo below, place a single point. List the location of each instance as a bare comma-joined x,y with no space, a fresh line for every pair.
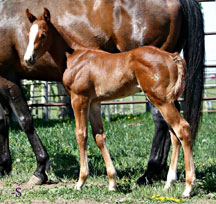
109,103
210,33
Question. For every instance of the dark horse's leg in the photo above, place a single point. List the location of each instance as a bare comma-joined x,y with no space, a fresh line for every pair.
5,158
16,100
157,163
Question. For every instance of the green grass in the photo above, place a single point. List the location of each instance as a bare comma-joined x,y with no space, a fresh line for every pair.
129,141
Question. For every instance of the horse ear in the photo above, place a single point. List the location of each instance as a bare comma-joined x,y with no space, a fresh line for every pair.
30,16
46,15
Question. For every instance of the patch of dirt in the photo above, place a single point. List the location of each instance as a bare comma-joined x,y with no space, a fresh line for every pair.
47,185
206,201
2,185
36,187
56,202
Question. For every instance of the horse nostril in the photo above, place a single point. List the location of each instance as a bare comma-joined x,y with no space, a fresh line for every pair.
31,61
34,56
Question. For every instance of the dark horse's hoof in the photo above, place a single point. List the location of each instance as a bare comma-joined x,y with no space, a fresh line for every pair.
40,177
154,171
146,179
2,174
35,180
5,169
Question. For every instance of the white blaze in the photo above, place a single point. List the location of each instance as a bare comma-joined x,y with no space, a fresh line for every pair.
32,37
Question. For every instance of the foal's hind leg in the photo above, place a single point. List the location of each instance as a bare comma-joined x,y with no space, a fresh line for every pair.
80,106
182,130
172,174
100,139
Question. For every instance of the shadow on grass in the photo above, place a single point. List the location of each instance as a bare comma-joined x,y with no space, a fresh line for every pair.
65,165
124,188
42,123
207,179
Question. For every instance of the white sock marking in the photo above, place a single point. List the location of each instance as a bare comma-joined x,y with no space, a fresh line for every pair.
171,177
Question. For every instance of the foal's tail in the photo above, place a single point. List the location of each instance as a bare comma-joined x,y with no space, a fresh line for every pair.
179,85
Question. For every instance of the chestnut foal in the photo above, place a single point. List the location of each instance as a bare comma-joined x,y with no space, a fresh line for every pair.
91,76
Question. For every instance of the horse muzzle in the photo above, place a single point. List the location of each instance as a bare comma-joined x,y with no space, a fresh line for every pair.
30,60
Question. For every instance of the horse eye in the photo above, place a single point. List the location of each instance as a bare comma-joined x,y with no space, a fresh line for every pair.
43,35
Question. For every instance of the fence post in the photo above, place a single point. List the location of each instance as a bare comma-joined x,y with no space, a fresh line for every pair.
45,99
107,116
132,105
122,107
47,91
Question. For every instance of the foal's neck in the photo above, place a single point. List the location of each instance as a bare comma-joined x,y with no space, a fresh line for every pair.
58,49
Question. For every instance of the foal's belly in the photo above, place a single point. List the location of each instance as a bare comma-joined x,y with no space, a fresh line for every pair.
122,92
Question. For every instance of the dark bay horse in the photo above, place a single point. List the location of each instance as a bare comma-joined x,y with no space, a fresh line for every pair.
92,76
114,26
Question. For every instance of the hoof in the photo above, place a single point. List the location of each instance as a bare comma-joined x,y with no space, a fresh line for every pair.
186,194
112,184
1,174
134,187
78,186
188,190
112,188
34,181
5,170
167,186
144,180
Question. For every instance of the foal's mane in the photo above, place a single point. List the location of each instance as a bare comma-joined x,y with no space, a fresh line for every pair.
71,42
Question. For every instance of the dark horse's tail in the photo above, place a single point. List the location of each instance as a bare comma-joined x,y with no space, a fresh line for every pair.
194,51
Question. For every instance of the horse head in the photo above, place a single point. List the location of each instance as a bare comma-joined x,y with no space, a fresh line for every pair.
39,37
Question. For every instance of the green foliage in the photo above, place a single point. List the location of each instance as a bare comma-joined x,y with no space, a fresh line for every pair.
129,140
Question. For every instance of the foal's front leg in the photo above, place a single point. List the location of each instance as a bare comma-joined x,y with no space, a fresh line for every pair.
100,139
80,106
